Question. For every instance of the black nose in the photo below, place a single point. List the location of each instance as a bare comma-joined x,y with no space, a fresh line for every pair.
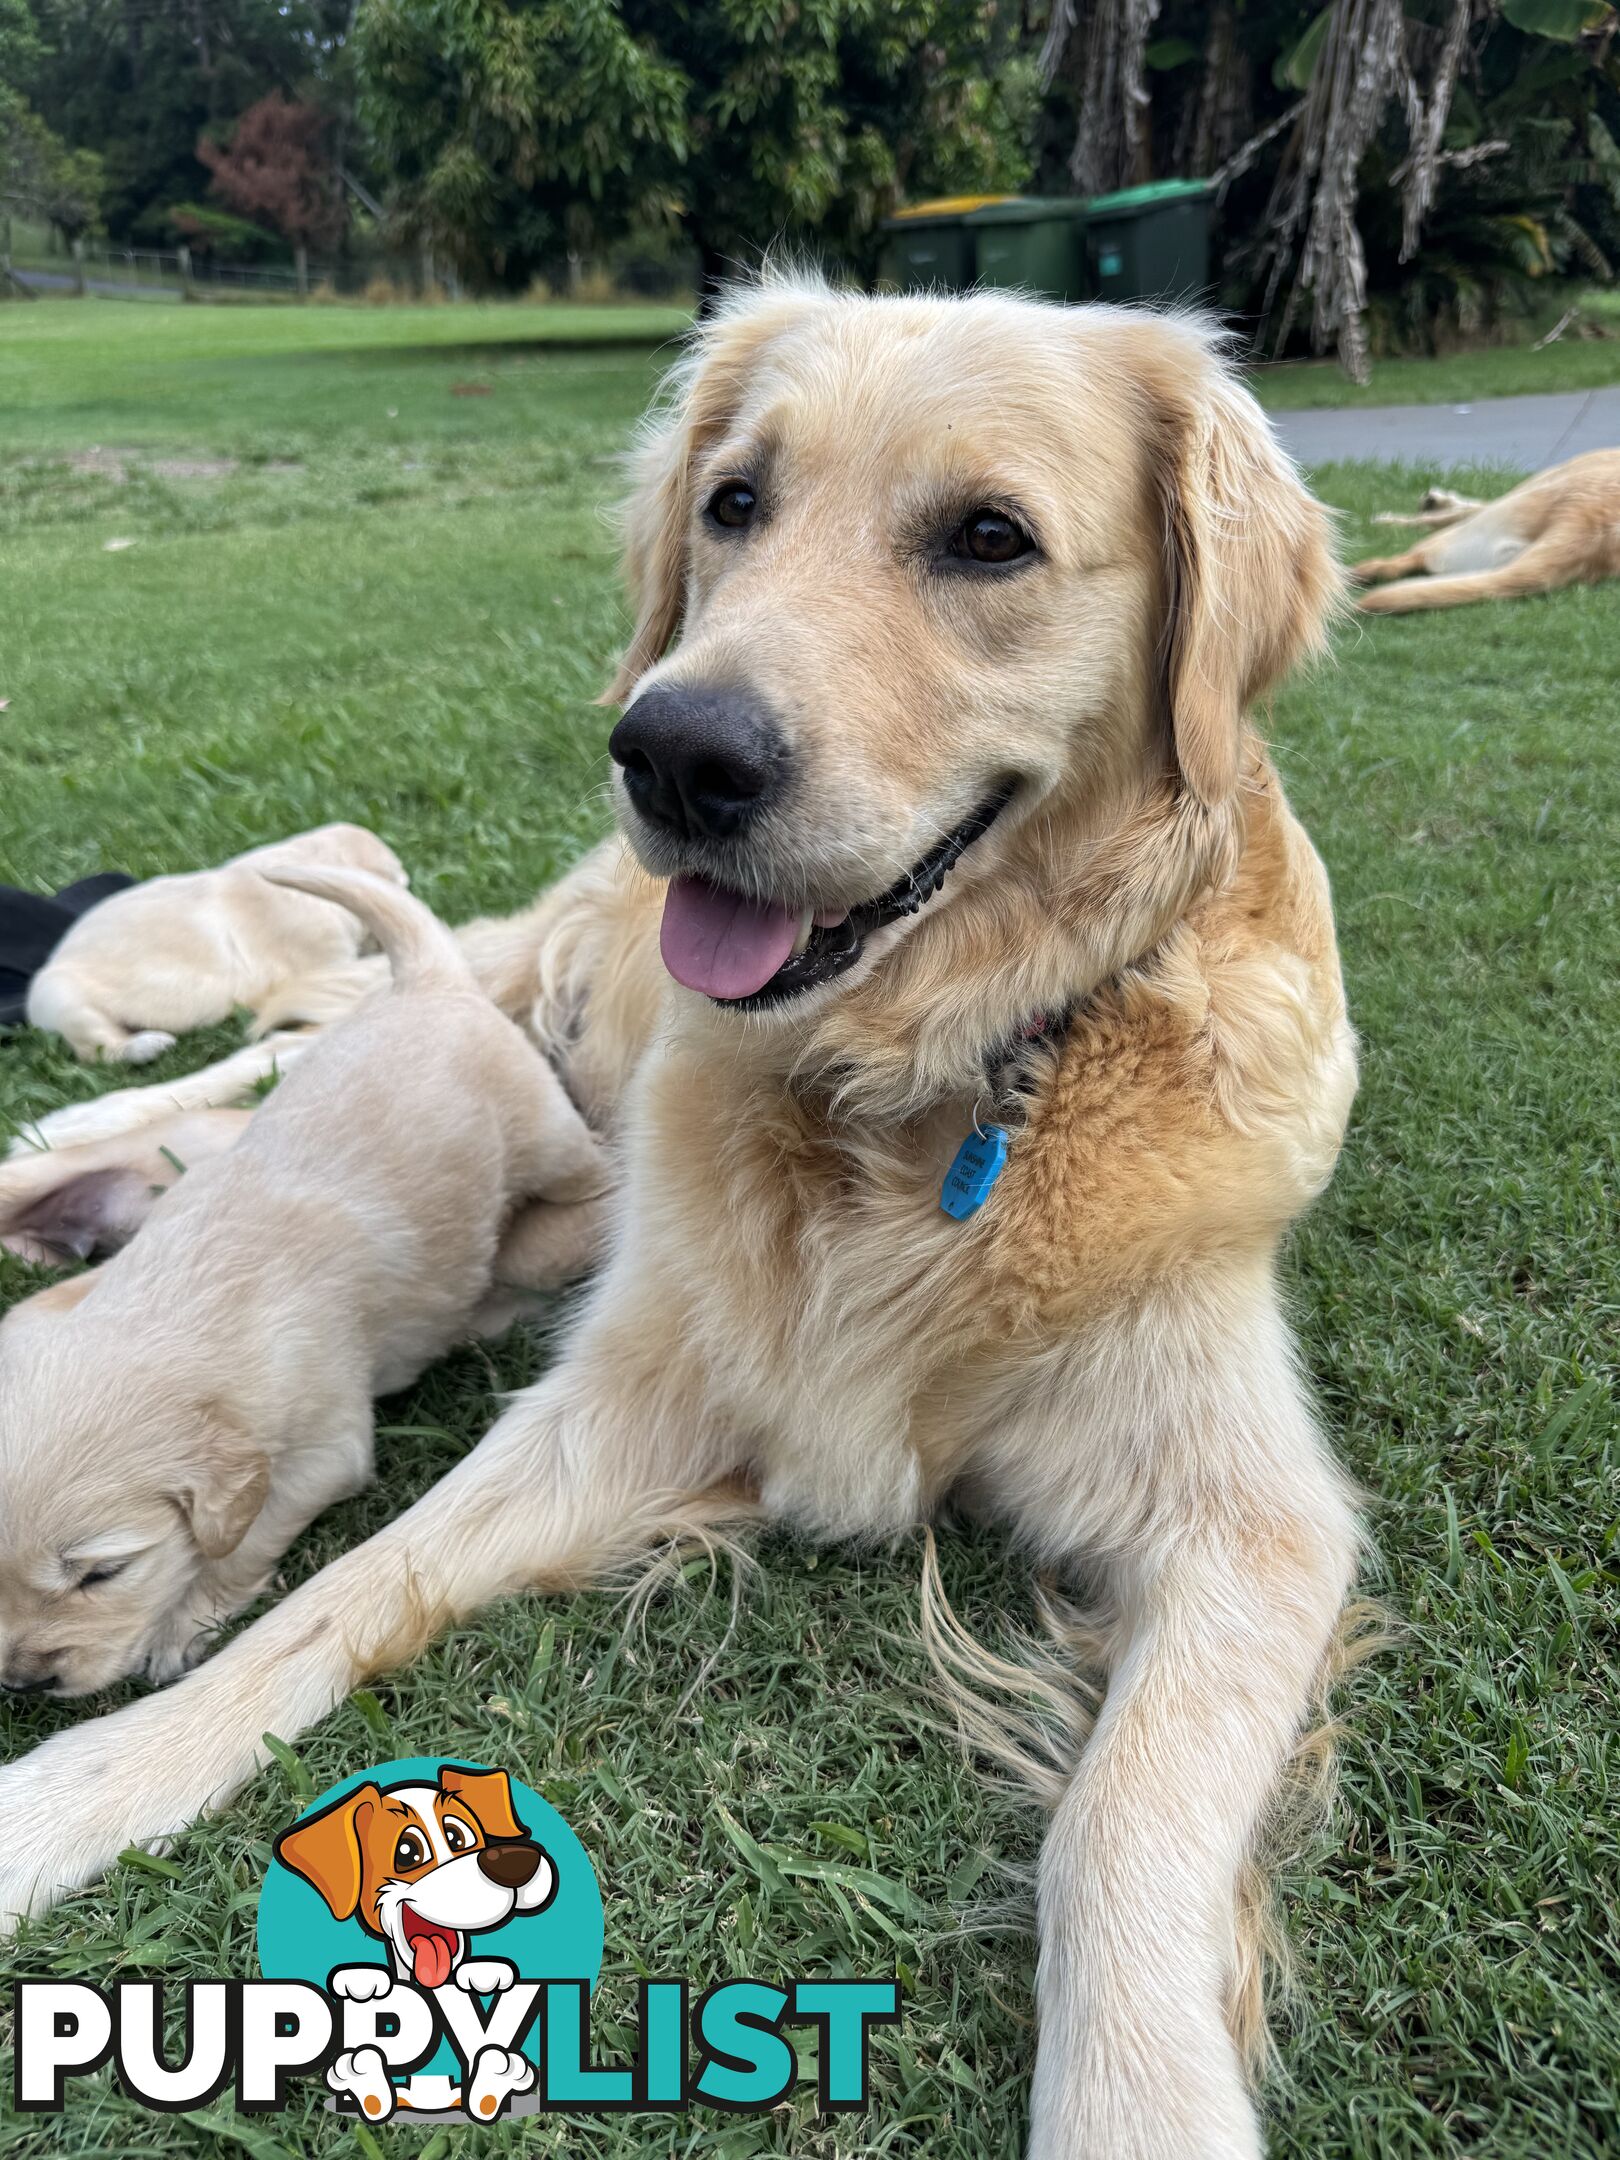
700,763
511,1864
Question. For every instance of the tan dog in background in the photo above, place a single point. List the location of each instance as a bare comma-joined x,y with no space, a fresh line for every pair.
170,1423
148,964
1560,527
943,811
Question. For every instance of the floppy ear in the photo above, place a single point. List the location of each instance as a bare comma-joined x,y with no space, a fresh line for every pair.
1251,580
700,395
325,1850
489,1794
229,1478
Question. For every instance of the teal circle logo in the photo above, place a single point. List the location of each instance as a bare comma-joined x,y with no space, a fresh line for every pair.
444,1878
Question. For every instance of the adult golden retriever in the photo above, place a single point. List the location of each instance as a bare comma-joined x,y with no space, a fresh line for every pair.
1559,527
942,804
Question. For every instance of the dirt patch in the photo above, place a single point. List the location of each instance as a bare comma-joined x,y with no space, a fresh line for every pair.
116,465
193,468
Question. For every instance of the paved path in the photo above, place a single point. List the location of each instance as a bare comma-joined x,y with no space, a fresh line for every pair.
59,281
1524,432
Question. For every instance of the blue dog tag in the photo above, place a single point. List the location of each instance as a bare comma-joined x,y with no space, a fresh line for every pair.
980,1160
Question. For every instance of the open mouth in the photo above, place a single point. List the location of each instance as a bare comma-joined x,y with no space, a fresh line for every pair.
431,1948
755,953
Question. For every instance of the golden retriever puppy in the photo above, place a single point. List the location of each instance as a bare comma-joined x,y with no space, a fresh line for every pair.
1560,527
183,952
966,1012
169,1424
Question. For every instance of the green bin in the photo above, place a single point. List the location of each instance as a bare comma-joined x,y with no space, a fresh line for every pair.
1150,243
931,245
1034,242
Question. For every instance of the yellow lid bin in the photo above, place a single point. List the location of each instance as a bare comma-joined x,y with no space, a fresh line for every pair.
1147,243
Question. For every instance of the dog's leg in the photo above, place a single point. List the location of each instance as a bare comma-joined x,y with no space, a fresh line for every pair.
551,1243
606,1455
1541,568
1380,569
233,1080
1230,1562
1439,509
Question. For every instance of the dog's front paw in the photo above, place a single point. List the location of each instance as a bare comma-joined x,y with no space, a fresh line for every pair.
361,1983
362,2075
497,2073
485,1976
56,1831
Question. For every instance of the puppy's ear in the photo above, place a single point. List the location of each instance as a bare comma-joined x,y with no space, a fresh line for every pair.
489,1794
1250,577
326,1850
228,1476
701,395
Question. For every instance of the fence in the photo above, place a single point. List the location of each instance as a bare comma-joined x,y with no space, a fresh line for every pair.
159,274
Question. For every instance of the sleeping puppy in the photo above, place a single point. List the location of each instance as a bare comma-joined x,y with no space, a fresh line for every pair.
169,1424
185,952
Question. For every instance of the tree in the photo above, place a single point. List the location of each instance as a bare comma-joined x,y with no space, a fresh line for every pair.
141,80
39,175
276,168
509,126
1377,161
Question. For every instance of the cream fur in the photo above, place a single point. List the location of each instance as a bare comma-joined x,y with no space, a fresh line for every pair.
186,1409
176,953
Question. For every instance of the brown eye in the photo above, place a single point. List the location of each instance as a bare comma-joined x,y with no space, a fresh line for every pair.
456,1835
411,1850
990,536
732,505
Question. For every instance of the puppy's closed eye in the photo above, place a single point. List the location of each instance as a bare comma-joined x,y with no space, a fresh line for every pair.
105,1571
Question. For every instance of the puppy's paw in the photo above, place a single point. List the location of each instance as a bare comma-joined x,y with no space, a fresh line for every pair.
181,1639
497,2073
143,1047
190,1629
485,1976
361,1983
362,2074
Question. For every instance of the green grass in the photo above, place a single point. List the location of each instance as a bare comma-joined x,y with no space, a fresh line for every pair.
1487,371
408,626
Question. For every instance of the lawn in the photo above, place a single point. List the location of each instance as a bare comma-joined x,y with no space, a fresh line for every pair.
1574,362
354,593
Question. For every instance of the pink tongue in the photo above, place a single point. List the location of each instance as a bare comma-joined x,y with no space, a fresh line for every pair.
431,1966
718,942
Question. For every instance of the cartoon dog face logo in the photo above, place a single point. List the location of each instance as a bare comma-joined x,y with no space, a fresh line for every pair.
423,1867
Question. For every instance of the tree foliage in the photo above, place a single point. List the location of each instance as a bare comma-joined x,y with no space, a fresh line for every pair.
276,170
39,175
141,81
1384,167
511,125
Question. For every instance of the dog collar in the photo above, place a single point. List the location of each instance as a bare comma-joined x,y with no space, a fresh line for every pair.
1012,1068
